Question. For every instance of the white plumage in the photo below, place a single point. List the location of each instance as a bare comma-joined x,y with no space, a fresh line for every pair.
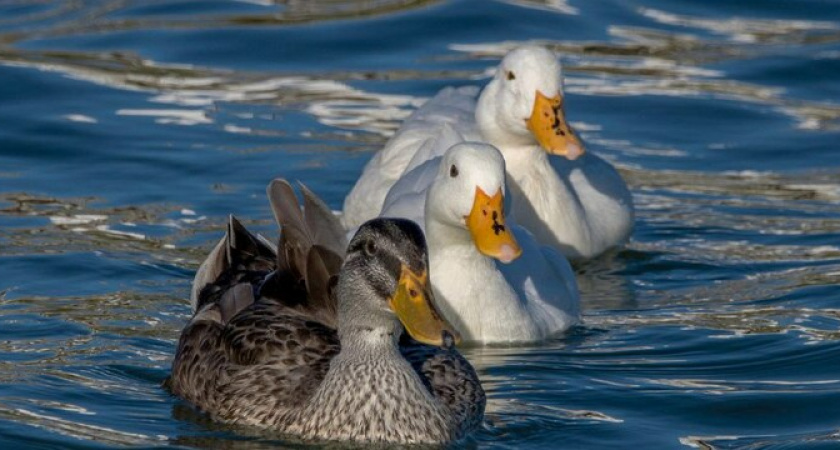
529,299
578,205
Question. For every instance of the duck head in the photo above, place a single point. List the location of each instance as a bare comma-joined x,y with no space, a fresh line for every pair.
469,193
523,104
383,287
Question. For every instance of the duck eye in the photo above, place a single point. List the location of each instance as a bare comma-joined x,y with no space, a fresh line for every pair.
510,75
370,247
453,171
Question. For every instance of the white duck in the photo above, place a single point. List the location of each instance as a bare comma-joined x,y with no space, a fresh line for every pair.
459,198
574,202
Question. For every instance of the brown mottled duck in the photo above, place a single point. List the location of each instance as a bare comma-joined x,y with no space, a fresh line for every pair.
310,342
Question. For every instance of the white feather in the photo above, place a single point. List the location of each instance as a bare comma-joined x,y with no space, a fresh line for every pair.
530,299
581,207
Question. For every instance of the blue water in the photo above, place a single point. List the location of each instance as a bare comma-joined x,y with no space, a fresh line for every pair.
130,129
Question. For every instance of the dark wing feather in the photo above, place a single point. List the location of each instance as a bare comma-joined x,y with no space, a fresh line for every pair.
269,331
450,378
247,259
266,361
292,253
311,248
295,239
245,248
320,268
324,226
234,300
210,270
264,333
248,359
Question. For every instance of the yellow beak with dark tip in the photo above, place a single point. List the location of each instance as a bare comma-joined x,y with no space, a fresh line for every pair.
548,125
414,304
486,223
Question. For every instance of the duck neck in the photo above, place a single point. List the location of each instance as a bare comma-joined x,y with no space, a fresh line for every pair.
360,343
446,240
455,263
522,160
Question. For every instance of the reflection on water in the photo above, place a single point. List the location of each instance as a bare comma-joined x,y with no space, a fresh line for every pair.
80,17
132,128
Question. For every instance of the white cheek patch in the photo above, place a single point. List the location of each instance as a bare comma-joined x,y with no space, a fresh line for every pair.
514,108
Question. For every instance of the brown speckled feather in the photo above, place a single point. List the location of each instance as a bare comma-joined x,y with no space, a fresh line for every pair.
450,377
255,368
239,258
311,246
258,348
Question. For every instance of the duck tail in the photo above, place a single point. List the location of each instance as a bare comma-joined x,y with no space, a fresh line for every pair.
325,226
209,270
312,245
236,254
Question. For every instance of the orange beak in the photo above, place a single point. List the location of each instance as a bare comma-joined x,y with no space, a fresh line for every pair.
414,304
548,125
486,223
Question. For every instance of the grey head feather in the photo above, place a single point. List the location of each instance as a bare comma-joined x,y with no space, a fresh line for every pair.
371,272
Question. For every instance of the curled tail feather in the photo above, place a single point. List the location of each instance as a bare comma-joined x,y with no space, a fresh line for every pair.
312,246
236,254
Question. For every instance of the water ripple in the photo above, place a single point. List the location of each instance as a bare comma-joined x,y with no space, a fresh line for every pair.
135,127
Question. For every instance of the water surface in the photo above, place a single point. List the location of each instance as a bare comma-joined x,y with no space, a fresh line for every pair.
130,129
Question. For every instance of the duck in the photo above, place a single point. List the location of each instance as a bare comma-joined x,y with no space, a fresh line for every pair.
493,280
322,341
567,197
